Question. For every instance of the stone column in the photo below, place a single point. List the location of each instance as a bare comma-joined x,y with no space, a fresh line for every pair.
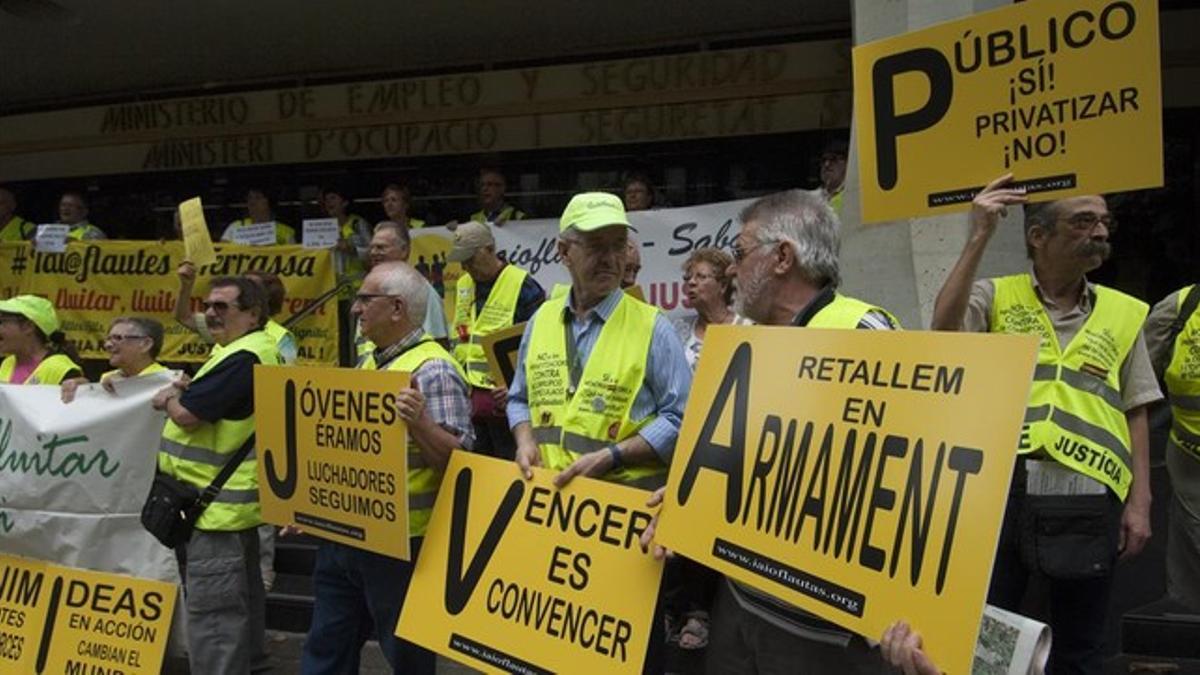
901,264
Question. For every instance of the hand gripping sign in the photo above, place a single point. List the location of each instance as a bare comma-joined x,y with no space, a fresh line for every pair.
517,576
1065,95
859,475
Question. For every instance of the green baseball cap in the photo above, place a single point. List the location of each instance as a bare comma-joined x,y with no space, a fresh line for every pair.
590,211
35,308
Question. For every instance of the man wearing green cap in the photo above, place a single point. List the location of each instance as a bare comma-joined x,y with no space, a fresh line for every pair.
601,379
37,351
490,296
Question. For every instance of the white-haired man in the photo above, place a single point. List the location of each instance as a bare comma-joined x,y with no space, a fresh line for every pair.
358,591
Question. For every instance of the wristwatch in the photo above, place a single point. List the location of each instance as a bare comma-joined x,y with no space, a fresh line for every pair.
616,457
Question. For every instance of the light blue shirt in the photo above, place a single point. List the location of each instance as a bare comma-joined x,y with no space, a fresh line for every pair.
664,390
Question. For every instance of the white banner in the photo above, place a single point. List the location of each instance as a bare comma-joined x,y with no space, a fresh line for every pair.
73,476
666,237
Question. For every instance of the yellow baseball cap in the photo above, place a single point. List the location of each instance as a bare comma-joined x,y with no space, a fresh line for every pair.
35,308
590,211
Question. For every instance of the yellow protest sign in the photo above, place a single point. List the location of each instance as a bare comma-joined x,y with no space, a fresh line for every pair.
92,283
1065,95
56,619
197,242
517,576
428,256
501,349
333,454
860,475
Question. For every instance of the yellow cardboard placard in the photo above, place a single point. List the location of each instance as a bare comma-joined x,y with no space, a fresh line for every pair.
56,619
333,454
517,576
197,243
501,349
860,475
1065,95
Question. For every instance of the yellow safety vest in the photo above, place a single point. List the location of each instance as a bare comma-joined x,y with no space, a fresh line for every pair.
497,314
507,213
1183,382
1075,411
85,231
414,223
284,234
351,266
277,332
155,367
568,424
846,312
423,480
17,229
52,370
196,456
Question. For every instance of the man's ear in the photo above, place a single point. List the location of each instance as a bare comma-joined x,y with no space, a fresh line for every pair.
784,257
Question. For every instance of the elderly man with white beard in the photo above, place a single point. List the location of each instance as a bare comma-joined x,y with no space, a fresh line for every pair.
785,262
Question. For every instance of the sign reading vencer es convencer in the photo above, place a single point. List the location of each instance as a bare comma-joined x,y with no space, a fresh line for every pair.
1065,95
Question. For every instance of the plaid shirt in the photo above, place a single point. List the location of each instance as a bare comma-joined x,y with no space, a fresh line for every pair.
438,380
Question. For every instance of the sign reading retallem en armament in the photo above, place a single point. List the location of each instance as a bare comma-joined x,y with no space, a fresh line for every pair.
56,619
333,455
859,475
517,576
1065,95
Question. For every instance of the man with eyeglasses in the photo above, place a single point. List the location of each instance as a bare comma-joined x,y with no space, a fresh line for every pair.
358,592
208,420
601,378
1080,497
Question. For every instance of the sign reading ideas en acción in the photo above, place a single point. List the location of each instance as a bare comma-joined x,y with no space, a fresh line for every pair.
56,619
860,475
1065,95
333,456
517,576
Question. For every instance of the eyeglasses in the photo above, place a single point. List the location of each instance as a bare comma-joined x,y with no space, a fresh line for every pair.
117,338
698,276
364,298
600,248
220,306
1086,221
739,254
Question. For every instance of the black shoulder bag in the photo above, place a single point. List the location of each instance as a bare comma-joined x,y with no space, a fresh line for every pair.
173,507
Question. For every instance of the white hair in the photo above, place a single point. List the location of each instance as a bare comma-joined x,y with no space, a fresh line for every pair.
803,219
400,279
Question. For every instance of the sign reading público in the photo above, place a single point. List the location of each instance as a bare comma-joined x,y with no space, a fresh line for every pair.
859,475
1065,95
56,619
333,454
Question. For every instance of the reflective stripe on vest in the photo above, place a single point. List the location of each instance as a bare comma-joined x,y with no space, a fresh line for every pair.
1182,378
497,314
196,456
52,370
422,480
1075,411
567,427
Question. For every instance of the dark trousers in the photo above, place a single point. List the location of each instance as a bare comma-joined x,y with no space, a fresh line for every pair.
1078,604
492,437
359,594
744,643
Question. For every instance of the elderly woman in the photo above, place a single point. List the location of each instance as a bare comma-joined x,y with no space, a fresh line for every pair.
710,292
37,351
133,344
